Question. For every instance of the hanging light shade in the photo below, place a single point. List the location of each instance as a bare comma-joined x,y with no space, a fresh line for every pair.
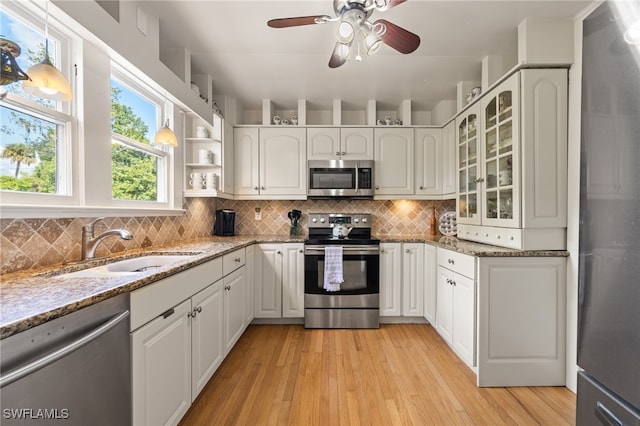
45,80
165,136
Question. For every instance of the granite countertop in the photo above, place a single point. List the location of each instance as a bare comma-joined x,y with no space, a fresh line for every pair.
30,298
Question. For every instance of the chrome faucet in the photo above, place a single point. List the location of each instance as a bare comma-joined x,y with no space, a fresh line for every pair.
90,243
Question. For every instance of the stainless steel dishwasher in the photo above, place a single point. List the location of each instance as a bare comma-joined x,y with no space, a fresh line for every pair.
74,370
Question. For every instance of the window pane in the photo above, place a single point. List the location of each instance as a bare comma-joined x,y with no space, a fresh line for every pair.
132,115
32,50
134,173
28,158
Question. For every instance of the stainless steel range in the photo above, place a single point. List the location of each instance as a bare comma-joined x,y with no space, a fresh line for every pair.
354,303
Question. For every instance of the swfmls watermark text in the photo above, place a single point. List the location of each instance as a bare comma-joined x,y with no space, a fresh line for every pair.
35,413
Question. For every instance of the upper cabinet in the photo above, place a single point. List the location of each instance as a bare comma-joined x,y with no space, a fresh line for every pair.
394,161
429,155
334,143
512,163
270,163
468,146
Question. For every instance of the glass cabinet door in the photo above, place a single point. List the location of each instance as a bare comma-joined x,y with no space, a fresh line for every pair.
468,138
500,156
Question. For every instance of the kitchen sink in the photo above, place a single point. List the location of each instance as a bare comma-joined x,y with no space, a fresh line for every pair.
144,263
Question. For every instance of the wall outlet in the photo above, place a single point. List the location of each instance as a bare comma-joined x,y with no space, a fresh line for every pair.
258,213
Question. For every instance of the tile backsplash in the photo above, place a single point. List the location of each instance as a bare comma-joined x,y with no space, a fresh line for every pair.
37,243
389,216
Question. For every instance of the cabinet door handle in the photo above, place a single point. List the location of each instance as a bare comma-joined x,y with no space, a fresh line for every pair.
337,153
237,260
377,187
453,283
199,309
279,252
479,180
262,187
407,251
227,287
256,188
448,281
421,187
450,261
344,153
301,251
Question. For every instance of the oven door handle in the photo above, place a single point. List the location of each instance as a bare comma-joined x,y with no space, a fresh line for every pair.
366,250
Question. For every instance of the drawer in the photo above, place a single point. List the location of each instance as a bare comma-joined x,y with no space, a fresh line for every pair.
457,262
232,261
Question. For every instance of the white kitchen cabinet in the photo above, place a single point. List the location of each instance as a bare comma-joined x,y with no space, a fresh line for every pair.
246,161
449,169
413,279
210,144
468,147
228,168
430,283
268,283
279,291
270,163
429,156
456,303
356,143
207,334
293,280
519,179
334,143
283,162
161,368
249,285
323,143
521,321
390,279
234,315
394,157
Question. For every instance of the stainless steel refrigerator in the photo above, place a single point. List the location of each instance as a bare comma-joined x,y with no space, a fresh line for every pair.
609,280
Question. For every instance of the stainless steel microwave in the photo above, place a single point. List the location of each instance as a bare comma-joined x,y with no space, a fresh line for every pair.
340,178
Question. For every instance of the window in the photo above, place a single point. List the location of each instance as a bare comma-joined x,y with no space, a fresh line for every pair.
35,132
139,170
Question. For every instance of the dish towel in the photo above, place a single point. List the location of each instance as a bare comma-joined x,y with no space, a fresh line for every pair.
333,276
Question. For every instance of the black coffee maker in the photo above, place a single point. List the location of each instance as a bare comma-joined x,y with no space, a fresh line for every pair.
225,223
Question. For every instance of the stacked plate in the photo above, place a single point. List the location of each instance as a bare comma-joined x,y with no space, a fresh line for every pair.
448,224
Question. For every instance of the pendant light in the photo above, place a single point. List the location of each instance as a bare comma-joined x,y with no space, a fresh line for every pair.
165,136
46,81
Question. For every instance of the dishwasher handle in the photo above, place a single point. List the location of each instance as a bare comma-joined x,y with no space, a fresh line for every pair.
25,370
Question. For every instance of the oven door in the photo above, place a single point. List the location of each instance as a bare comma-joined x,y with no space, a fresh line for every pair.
361,270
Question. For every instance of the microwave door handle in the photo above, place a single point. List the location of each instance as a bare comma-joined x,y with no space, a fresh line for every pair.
357,178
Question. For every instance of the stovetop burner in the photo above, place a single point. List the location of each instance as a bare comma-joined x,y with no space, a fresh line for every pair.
321,229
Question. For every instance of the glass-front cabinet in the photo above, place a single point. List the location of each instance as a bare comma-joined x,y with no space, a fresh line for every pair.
500,162
468,143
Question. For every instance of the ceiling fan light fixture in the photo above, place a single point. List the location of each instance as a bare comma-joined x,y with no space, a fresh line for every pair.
345,31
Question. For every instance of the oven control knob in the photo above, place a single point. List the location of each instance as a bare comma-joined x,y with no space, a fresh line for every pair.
314,220
356,220
322,220
364,220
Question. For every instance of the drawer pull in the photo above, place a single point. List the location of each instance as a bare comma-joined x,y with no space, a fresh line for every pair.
237,260
453,283
407,251
227,287
450,261
168,313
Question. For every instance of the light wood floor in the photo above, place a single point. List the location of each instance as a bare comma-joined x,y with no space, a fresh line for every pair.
400,374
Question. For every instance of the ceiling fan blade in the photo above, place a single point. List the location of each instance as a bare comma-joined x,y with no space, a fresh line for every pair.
339,55
389,4
297,21
397,37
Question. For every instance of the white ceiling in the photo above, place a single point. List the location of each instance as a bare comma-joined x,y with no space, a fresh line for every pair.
231,41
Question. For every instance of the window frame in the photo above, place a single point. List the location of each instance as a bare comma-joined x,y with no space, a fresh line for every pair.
165,154
34,17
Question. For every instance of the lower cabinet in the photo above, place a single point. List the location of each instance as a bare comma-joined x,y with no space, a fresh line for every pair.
181,329
456,303
234,315
161,368
279,280
430,280
505,317
404,269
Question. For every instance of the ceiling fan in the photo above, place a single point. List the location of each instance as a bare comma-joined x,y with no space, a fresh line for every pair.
353,24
